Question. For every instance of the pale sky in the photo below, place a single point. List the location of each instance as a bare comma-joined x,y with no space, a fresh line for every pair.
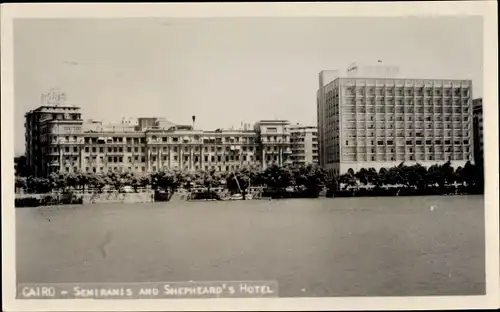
225,71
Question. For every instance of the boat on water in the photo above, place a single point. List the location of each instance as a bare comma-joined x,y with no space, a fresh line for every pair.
236,197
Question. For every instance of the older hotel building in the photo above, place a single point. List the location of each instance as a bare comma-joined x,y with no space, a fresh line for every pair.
304,144
59,140
368,117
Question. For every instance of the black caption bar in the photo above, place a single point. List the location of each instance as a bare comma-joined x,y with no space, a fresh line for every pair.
180,290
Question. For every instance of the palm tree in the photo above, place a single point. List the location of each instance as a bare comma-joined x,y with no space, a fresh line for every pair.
373,177
383,176
99,181
362,176
469,174
348,179
83,180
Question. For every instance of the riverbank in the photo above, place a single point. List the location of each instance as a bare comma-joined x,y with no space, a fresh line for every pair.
404,191
35,200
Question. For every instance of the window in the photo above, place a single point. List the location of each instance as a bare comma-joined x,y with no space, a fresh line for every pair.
101,149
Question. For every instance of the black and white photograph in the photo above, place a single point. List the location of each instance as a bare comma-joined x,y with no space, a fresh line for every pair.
250,157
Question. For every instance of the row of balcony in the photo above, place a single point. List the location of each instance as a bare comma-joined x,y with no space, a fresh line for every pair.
408,95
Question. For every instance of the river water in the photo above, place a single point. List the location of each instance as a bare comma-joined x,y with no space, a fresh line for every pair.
396,246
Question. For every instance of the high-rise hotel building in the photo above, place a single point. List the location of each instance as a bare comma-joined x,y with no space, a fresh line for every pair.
368,117
59,140
304,144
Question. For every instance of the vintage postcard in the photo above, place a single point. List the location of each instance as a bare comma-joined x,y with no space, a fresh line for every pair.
313,156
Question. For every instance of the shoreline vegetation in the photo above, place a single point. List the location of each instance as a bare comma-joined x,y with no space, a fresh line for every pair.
306,181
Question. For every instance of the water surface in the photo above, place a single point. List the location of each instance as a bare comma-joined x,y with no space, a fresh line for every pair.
395,246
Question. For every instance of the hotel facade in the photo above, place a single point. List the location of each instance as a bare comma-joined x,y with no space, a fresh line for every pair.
370,118
59,140
304,144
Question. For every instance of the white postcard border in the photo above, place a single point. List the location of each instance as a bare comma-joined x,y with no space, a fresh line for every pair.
487,9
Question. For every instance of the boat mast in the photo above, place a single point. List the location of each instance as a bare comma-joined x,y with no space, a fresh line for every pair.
237,182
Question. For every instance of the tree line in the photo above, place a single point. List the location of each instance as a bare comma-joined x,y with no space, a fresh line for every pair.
310,179
415,176
306,176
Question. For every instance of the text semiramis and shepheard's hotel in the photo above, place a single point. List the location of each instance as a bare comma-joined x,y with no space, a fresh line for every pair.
369,117
59,140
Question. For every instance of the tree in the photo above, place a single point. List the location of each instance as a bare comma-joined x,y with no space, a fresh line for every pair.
57,181
448,173
22,169
469,174
99,181
459,175
362,175
84,180
71,180
20,183
278,177
373,177
348,179
383,177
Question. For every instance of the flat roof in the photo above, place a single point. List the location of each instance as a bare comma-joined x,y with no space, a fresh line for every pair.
395,78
